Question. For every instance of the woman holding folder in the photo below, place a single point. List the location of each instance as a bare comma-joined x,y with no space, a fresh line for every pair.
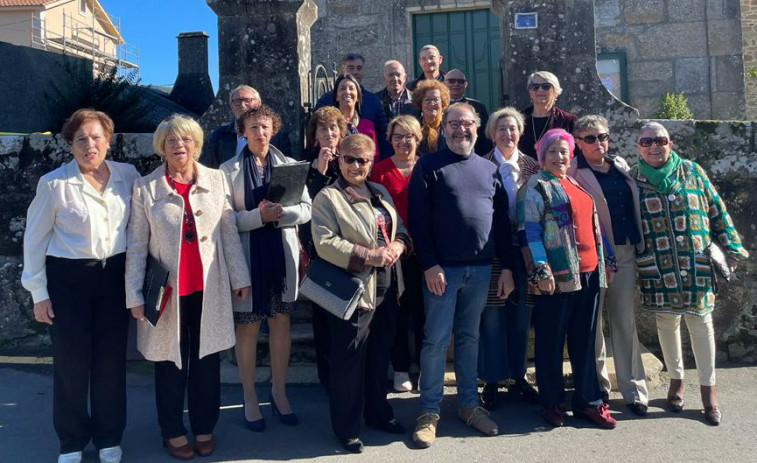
181,216
269,238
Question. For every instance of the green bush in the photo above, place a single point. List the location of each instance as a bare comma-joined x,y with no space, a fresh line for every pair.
674,106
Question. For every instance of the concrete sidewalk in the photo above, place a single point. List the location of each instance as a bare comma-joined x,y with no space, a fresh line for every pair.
27,435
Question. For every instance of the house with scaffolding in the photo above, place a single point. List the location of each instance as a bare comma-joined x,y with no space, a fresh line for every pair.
79,28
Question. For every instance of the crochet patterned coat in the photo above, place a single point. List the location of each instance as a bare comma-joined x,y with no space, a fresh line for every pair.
678,225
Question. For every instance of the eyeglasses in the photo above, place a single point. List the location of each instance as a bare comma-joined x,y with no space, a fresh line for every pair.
173,141
659,141
454,125
408,137
456,81
543,86
239,101
590,139
350,160
432,100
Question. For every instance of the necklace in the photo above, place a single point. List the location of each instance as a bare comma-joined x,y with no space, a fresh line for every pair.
544,129
188,219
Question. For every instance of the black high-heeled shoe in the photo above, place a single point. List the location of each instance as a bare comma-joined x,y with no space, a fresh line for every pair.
290,419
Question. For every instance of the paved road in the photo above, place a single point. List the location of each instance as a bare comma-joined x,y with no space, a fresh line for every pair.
27,436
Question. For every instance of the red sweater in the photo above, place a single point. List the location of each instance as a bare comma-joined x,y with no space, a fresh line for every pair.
190,264
386,173
582,207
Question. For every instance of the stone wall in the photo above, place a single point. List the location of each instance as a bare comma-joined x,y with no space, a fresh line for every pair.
689,46
380,30
725,149
749,48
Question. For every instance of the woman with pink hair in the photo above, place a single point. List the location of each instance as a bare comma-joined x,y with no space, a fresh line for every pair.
562,246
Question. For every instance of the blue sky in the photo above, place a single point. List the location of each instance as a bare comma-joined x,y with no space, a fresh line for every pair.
152,25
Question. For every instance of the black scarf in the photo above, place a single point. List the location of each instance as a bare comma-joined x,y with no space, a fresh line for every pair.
267,267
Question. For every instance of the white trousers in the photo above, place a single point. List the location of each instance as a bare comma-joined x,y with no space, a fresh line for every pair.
619,300
702,337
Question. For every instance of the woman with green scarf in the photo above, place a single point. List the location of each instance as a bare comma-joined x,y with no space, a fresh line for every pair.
681,214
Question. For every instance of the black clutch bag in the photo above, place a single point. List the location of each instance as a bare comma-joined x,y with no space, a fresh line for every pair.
155,289
719,261
333,288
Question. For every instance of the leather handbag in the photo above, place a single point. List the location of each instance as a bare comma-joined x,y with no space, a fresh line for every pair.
333,288
719,261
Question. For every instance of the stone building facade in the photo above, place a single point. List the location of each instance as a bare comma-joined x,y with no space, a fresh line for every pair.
703,48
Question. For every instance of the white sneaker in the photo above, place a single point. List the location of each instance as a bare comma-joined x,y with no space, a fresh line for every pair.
402,382
73,457
111,454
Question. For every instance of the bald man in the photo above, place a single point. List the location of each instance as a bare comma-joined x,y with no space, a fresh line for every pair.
395,97
457,84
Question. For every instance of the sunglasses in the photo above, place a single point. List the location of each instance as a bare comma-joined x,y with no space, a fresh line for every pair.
659,141
543,86
590,139
350,160
456,81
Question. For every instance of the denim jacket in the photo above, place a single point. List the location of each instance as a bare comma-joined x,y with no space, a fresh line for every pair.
547,236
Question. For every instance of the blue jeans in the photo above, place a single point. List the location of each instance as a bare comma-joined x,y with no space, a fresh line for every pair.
458,310
503,347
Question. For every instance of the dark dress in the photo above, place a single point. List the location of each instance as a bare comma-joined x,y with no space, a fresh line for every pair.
535,127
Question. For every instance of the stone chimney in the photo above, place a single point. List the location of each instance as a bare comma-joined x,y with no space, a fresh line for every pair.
193,89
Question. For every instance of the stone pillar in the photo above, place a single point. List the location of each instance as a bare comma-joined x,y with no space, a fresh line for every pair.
563,43
193,88
265,44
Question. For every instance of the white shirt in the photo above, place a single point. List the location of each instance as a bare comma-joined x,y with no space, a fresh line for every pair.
509,172
68,218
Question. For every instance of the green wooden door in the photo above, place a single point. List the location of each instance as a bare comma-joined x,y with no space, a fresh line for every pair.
467,40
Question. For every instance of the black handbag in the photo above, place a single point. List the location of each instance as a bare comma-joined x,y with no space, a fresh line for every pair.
333,288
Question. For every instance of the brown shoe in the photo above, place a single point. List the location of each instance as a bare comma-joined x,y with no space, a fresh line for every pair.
204,447
182,452
425,430
478,418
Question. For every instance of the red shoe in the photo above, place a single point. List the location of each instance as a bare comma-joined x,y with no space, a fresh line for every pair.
600,415
552,414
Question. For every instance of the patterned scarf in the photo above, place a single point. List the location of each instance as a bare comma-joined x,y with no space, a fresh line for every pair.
431,133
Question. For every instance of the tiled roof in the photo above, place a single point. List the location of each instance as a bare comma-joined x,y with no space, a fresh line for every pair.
25,2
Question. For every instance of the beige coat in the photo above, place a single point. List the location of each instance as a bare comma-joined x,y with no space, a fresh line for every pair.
250,220
586,178
341,237
155,226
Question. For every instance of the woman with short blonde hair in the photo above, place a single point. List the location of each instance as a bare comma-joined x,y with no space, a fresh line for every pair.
182,217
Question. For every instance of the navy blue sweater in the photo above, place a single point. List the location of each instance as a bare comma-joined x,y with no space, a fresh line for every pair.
457,211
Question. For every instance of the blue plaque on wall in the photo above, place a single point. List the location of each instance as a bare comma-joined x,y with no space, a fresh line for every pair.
526,20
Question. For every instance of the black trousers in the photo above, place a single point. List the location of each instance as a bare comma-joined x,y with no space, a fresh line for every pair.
322,341
89,350
358,363
411,315
573,315
201,378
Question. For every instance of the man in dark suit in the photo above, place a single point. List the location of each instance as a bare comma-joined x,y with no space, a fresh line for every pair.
395,97
371,108
225,142
457,84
